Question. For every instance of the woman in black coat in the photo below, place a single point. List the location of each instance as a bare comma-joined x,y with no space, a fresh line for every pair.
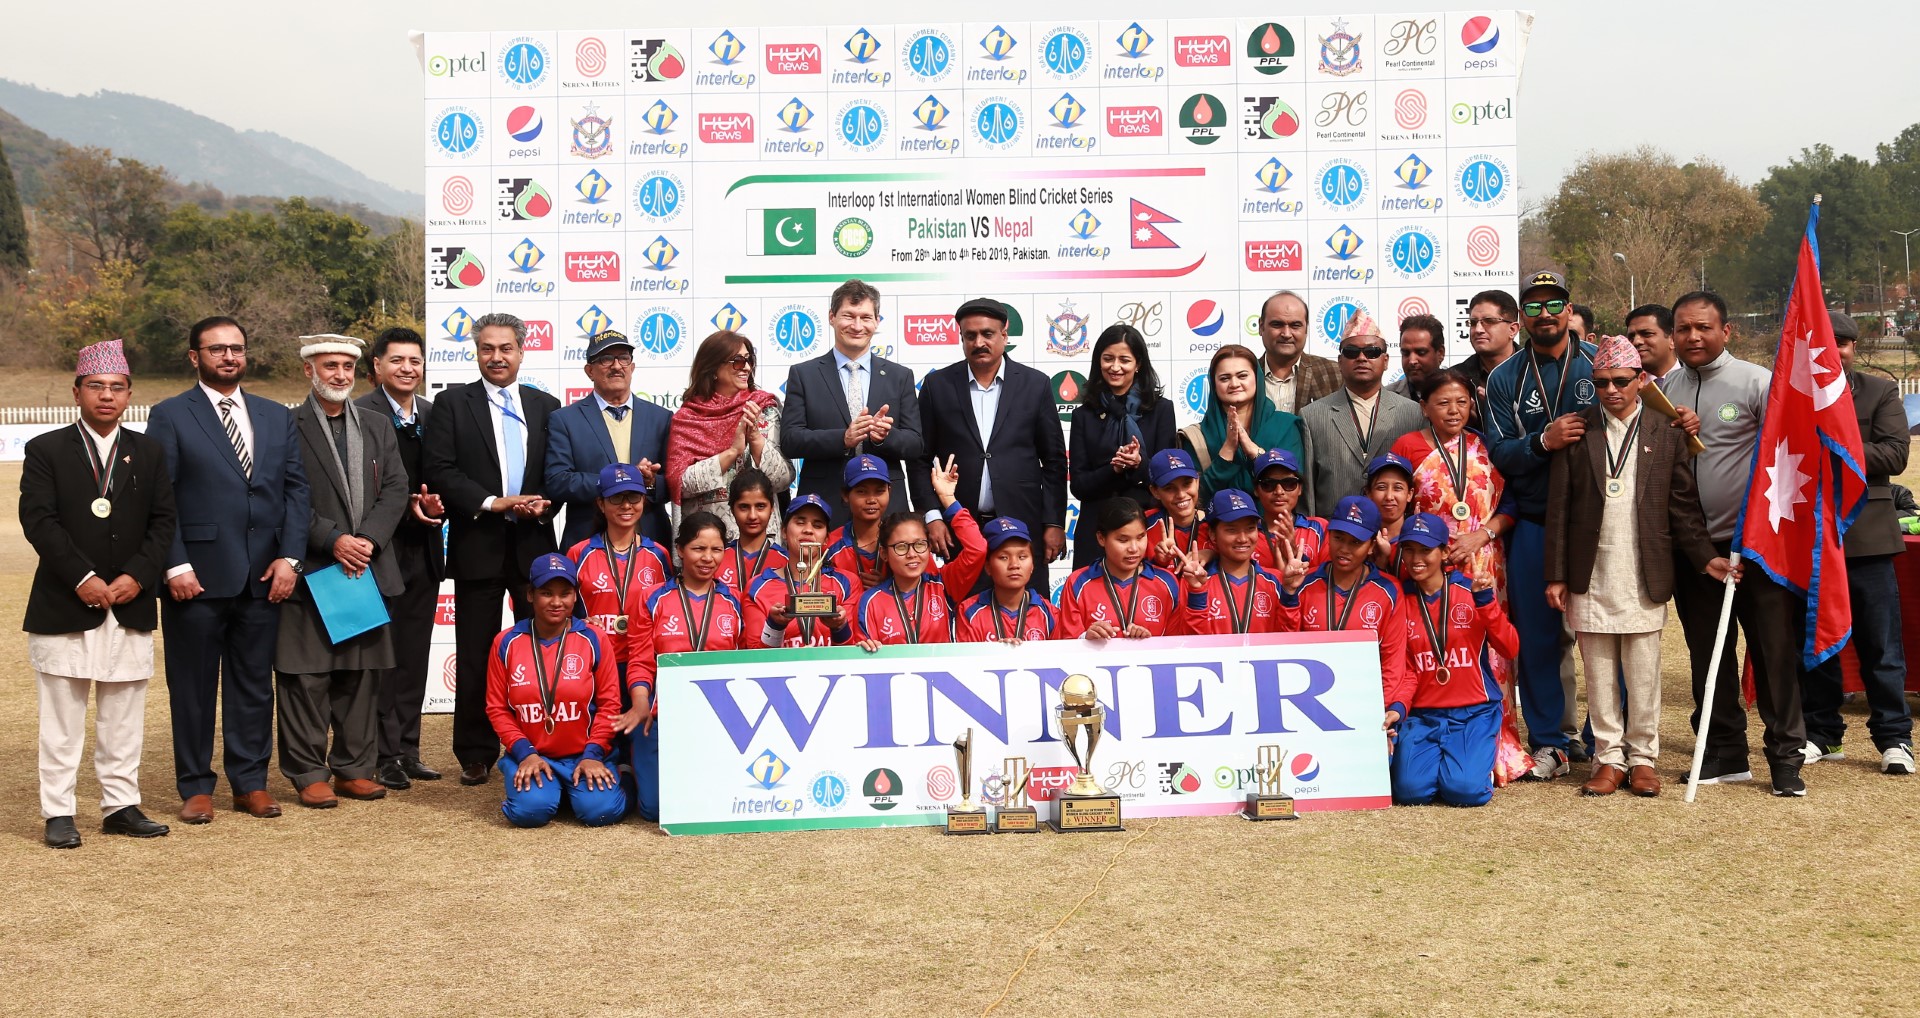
1122,420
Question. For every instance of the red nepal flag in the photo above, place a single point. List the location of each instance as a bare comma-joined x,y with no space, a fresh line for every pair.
1807,483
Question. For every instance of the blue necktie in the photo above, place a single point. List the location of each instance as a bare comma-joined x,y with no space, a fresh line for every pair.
619,412
512,432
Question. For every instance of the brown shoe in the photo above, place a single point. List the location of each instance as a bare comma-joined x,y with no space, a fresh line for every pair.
1643,781
473,774
1605,781
198,809
360,788
318,796
256,803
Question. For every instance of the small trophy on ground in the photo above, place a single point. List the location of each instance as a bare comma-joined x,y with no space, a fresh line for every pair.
1013,815
1268,803
968,817
813,603
1084,806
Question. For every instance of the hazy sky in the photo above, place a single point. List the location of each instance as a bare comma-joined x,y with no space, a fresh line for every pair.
1747,84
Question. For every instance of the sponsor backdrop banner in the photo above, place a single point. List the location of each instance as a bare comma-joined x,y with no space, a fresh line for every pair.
1169,174
831,738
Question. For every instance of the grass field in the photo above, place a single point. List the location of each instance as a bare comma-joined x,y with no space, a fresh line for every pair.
427,903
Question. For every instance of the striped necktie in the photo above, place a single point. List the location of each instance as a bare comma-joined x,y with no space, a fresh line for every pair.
233,435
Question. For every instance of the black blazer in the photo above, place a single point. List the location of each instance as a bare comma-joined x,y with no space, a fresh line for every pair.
412,537
1095,436
1028,454
814,420
1884,442
57,490
463,468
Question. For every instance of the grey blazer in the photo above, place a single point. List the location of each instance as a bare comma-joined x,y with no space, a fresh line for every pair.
1336,458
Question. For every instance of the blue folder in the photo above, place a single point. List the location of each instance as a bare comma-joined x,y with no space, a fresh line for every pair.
348,605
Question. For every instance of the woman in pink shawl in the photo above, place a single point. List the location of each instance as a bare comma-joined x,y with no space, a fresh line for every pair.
724,423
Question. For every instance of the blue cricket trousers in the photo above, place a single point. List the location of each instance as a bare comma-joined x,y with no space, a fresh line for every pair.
1445,754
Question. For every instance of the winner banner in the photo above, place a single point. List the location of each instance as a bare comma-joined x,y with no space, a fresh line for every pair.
835,737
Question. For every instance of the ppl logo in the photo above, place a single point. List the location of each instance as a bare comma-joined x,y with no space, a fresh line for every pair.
1479,34
1202,51
1043,783
524,123
593,266
539,335
1274,256
793,58
443,610
1270,47
1135,122
930,330
1204,318
726,128
1304,767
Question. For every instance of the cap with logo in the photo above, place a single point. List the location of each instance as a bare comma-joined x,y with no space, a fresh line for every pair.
865,468
1275,457
1389,461
620,477
608,340
1545,279
1169,465
809,502
1002,529
1355,517
1424,529
982,306
553,567
1231,504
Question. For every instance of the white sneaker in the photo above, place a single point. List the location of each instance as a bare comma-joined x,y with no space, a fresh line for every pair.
1896,760
1813,753
1548,763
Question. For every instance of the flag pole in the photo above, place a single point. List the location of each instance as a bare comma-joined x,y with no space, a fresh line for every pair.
1713,675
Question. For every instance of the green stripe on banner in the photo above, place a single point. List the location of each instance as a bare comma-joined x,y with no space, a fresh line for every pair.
827,178
839,277
717,657
820,824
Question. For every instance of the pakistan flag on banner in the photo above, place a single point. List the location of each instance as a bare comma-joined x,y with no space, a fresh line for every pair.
780,231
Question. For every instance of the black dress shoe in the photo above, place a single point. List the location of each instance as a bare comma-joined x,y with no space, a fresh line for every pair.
393,775
128,820
61,833
417,770
473,774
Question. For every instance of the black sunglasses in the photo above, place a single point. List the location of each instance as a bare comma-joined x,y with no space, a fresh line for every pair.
1615,383
1283,483
1552,307
1354,353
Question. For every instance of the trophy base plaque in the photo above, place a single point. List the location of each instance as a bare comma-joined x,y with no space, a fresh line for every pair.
812,606
1015,820
1073,814
1269,807
967,821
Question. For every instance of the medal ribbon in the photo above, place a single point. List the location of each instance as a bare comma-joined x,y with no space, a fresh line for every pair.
620,580
919,602
102,472
1340,620
999,626
1617,461
699,633
547,682
1455,474
748,568
1113,594
1436,635
1242,622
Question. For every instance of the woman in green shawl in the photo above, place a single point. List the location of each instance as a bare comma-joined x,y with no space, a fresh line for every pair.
1240,424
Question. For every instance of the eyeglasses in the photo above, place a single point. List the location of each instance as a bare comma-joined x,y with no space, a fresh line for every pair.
909,547
224,350
1534,307
612,358
1488,323
1283,483
1620,382
1354,353
113,387
740,360
626,498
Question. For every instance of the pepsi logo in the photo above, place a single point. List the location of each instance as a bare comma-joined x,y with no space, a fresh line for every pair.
1479,34
524,123
1304,767
456,196
590,57
1410,109
1483,245
1204,318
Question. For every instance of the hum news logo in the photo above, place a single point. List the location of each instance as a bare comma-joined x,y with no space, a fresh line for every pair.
930,330
1135,122
793,58
1202,51
1275,256
726,128
592,266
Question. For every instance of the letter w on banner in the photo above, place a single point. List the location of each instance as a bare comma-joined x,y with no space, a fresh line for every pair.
1807,484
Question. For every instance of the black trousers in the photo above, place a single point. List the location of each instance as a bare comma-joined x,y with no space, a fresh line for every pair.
476,621
404,686
220,649
1770,616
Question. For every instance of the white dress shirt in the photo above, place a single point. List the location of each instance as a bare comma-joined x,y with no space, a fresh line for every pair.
241,419
500,430
986,405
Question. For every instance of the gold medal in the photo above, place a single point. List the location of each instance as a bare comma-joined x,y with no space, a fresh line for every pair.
1440,676
102,508
1614,488
619,624
1461,512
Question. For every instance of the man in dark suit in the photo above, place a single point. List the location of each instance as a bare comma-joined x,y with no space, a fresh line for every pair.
1292,377
608,427
998,418
235,461
484,458
97,506
849,401
1345,431
1871,543
358,496
399,367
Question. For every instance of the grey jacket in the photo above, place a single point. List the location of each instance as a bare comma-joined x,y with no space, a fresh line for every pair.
1730,395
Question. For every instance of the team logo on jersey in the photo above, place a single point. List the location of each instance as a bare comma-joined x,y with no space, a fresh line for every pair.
1370,614
1150,607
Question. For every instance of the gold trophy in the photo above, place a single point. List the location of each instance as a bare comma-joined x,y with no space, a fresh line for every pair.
1268,803
815,604
1084,806
1013,815
966,818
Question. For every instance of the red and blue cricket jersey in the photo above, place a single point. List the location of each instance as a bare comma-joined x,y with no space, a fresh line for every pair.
1228,605
888,616
845,554
671,618
1374,605
738,569
1149,599
771,589
1473,628
1309,538
1185,538
585,692
982,620
600,602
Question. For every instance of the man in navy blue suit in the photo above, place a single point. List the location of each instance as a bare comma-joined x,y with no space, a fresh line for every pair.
242,493
611,426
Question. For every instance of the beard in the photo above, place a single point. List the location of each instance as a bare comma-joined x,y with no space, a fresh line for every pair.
331,394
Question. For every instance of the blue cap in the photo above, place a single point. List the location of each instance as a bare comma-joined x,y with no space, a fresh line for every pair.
1168,465
553,567
1231,504
1425,529
1275,457
865,468
1355,517
1002,529
809,502
1389,461
618,477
